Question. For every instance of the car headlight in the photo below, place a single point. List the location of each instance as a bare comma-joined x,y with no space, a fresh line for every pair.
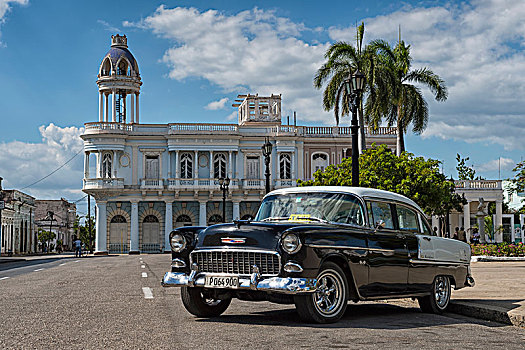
291,243
177,242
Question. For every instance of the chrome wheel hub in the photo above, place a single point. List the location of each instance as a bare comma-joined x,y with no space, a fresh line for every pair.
329,296
442,291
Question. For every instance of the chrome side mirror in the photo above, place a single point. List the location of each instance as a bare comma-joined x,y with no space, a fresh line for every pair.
380,224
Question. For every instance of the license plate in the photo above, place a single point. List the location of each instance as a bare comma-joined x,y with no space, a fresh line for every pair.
221,282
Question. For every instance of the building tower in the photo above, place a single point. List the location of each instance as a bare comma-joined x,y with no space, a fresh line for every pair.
119,84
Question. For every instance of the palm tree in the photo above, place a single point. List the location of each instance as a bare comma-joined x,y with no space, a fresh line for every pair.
394,97
343,59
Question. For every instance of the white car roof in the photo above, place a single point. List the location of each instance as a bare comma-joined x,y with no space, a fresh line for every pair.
358,191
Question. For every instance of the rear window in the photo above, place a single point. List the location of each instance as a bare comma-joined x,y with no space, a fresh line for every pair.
381,212
407,219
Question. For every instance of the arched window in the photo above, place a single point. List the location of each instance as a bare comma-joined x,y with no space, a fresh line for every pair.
219,165
118,219
106,165
106,68
122,68
183,220
215,219
285,166
151,218
186,166
319,161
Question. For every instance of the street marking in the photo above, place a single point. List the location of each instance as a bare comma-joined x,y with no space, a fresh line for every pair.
77,261
62,264
3,278
143,266
38,270
145,275
147,293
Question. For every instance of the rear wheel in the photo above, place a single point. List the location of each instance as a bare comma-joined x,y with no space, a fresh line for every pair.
437,302
201,305
328,303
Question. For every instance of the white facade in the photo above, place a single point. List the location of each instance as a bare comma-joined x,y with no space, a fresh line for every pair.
18,223
150,178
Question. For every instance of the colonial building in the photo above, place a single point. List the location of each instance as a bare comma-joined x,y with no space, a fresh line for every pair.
57,216
18,223
149,178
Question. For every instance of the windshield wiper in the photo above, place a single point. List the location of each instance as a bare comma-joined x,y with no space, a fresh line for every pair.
313,218
276,218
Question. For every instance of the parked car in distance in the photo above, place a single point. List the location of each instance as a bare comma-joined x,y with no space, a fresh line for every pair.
318,248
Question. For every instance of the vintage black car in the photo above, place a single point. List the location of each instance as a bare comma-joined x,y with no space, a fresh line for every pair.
318,248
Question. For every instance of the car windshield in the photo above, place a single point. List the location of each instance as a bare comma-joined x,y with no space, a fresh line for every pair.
312,207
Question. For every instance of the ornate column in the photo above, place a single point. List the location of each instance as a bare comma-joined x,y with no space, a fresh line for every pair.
236,211
293,165
210,163
114,164
202,213
134,234
230,165
99,164
101,107
114,107
106,114
132,108
137,108
196,165
169,164
101,230
86,165
177,164
168,225
499,221
466,221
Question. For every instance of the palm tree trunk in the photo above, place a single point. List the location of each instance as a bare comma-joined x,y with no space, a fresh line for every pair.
400,144
362,137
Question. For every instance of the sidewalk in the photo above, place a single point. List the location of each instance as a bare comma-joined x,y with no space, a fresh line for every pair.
499,294
7,259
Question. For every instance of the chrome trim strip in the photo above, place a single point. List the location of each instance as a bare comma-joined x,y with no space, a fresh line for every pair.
434,262
283,285
350,247
178,263
292,267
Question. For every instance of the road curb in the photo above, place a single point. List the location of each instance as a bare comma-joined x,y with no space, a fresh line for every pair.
487,312
486,258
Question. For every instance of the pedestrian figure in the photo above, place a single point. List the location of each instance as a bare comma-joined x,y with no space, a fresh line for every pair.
435,231
475,236
456,231
461,234
78,248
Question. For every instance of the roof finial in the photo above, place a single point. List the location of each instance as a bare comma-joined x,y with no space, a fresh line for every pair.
119,41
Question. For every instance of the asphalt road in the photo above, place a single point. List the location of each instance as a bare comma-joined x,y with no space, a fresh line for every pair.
113,302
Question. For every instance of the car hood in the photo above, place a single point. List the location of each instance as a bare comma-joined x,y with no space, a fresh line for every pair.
247,235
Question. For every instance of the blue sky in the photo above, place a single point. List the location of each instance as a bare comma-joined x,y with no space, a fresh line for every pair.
192,54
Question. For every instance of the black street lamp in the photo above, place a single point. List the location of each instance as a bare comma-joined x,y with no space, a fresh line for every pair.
224,184
267,151
354,87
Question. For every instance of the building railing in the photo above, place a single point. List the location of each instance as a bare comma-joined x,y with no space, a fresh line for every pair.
202,128
116,248
199,184
103,183
150,248
151,184
253,183
107,126
478,184
283,183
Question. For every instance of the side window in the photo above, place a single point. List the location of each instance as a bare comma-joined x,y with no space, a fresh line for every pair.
426,229
407,219
382,211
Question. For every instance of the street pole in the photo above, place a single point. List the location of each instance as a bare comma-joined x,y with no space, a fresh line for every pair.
224,184
267,152
89,225
355,152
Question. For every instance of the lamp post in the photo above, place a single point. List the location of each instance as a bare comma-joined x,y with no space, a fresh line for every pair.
354,87
50,215
267,151
224,184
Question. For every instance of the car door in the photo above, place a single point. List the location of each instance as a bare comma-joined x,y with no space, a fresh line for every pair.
387,252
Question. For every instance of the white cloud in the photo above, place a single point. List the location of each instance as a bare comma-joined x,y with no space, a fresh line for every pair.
108,27
477,48
232,116
5,7
25,163
215,105
504,164
252,51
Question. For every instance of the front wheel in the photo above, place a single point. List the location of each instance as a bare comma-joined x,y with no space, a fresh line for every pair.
438,300
200,305
328,303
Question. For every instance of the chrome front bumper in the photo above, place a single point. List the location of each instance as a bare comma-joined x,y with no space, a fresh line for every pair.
285,285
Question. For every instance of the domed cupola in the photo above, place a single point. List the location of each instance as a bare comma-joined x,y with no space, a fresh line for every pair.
119,77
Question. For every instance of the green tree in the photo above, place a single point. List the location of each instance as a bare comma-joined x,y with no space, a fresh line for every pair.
414,177
396,98
464,171
342,60
87,237
517,183
45,237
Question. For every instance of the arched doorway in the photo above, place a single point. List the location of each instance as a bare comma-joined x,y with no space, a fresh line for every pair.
183,220
118,235
150,235
215,219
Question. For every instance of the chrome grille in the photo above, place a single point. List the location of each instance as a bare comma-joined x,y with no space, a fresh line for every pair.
237,262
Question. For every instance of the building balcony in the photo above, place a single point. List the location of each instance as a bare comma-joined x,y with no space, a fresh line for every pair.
283,183
104,184
202,128
478,184
253,184
151,184
199,184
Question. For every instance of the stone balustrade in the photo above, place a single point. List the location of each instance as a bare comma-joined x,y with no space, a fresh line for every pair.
103,183
478,184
